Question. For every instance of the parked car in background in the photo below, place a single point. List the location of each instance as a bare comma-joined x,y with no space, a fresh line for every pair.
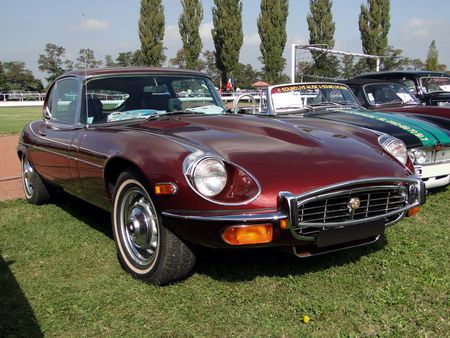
179,171
395,97
431,88
428,143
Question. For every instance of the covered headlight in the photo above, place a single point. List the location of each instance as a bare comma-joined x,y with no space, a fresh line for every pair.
209,177
395,147
418,156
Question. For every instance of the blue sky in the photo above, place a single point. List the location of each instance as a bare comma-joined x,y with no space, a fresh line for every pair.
110,27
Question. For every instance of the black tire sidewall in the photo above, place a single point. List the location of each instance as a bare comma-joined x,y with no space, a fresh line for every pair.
125,182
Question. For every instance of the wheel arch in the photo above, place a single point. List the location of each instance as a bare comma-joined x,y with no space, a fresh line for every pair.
117,165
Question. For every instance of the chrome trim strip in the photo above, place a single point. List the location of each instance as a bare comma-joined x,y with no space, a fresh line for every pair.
62,155
242,218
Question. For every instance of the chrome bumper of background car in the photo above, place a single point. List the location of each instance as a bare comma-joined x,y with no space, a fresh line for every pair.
434,175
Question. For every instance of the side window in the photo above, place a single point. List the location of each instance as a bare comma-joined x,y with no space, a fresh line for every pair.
410,84
63,100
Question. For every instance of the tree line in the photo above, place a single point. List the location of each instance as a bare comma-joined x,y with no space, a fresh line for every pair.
223,63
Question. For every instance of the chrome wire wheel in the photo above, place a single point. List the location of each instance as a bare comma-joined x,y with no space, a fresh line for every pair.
27,177
138,226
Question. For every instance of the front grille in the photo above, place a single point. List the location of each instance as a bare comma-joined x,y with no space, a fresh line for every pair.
334,209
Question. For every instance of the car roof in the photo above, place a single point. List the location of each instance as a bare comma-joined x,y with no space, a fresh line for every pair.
362,81
131,70
402,73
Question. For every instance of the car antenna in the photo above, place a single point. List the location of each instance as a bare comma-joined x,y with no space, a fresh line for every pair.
83,25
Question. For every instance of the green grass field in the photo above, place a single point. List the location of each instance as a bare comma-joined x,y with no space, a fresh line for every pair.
59,276
13,119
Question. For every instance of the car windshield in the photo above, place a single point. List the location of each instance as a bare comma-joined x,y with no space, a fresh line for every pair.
304,96
432,84
388,93
119,98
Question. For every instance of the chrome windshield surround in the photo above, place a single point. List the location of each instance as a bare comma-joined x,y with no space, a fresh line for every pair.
191,161
412,186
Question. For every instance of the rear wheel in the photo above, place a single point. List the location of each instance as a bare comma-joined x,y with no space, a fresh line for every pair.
36,191
146,248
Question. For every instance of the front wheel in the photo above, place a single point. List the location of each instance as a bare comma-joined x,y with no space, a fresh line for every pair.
146,248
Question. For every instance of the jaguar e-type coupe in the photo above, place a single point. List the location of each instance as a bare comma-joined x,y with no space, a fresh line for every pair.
158,149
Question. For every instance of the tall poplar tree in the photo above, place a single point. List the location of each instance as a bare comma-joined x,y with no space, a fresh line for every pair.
272,31
321,31
189,24
227,35
151,32
432,61
374,25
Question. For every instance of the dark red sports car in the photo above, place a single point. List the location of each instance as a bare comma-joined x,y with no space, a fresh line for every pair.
158,149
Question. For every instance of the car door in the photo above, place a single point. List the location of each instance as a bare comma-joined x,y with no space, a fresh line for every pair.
55,157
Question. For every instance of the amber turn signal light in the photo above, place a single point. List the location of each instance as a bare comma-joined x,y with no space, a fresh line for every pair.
165,189
248,234
413,211
283,224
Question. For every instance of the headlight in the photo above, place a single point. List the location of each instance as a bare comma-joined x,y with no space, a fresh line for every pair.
209,177
395,147
418,156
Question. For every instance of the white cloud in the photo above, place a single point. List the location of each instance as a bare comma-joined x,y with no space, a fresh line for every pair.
252,40
425,28
90,25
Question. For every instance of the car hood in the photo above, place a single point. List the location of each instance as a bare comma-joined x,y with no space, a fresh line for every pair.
414,132
298,154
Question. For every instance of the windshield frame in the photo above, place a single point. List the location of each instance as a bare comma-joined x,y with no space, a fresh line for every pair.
205,80
415,100
272,110
425,89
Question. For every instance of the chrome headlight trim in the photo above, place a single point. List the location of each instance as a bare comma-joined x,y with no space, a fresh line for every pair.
395,147
189,165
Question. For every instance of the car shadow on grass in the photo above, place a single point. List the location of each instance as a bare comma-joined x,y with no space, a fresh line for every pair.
17,318
245,265
87,213
233,265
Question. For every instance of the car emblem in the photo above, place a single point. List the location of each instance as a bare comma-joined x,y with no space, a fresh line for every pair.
352,205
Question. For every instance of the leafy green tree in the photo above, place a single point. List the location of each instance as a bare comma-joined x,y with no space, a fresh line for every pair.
432,61
15,76
272,31
246,75
227,35
109,61
179,60
374,25
54,61
189,25
321,31
151,32
87,60
209,66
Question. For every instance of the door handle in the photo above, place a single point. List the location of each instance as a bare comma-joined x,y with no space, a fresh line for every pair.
42,132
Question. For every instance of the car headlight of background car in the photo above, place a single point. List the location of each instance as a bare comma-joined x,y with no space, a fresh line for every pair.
219,181
419,156
395,147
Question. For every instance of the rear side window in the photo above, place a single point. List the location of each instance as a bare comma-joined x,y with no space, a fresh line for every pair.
63,100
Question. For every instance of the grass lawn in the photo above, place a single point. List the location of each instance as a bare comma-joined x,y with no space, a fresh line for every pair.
13,119
59,276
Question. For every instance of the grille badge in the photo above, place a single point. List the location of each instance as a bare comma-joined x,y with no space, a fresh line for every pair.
352,205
